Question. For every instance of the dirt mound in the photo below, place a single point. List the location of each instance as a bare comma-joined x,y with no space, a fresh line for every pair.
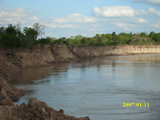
34,110
8,90
7,101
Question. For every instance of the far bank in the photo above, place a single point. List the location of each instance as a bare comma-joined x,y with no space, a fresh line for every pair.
46,55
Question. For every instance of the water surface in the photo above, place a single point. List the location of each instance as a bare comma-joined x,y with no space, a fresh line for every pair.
98,87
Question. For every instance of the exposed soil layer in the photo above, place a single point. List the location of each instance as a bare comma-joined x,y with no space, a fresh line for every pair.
7,70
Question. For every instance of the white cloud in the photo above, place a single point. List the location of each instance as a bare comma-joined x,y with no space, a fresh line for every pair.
93,29
66,26
75,18
50,25
141,20
95,25
89,20
80,18
158,13
19,10
152,10
17,15
124,26
70,21
156,2
60,20
76,14
34,18
114,11
157,25
140,12
149,11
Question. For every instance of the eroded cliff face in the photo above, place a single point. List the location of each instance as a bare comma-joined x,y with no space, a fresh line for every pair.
35,57
60,53
116,50
8,69
7,65
45,55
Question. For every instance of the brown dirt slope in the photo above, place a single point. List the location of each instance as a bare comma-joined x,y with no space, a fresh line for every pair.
34,110
8,70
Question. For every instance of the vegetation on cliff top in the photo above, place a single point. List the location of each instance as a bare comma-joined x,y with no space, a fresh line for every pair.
13,37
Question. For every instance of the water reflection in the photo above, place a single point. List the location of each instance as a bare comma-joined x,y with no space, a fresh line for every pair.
98,87
29,75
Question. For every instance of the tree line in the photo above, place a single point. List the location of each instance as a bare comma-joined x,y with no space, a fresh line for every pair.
13,37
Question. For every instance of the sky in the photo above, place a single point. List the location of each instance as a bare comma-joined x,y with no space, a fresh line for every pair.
65,18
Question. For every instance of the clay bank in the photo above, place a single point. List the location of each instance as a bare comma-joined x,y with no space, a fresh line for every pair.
13,61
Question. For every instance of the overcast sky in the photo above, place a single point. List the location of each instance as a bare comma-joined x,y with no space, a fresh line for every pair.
65,18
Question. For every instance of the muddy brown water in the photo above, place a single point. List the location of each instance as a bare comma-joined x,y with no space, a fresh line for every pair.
98,87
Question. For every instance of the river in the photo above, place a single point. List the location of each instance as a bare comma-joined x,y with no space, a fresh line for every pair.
98,87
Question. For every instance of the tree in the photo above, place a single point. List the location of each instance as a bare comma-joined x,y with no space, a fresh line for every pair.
83,41
143,34
11,29
39,29
151,35
93,41
61,40
157,37
114,40
30,36
103,39
109,39
30,32
124,38
68,41
44,41
10,37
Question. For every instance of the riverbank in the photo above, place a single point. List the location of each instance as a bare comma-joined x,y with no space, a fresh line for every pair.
41,56
14,61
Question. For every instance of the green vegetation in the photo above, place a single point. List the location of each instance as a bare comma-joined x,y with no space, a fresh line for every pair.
13,37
